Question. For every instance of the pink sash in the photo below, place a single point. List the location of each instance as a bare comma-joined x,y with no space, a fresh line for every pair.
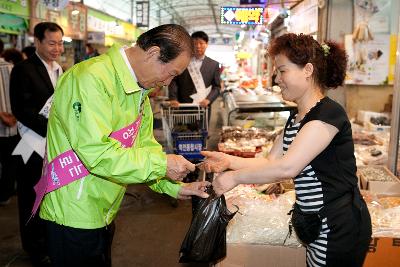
67,167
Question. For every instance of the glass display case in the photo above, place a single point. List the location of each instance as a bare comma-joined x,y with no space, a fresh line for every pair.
270,112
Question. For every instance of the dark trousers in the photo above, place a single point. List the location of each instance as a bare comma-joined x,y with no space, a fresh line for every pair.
9,166
69,246
32,231
360,242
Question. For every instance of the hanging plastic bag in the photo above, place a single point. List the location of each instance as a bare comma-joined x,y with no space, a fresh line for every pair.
205,240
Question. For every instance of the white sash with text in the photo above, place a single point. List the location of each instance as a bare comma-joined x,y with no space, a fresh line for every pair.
31,141
197,78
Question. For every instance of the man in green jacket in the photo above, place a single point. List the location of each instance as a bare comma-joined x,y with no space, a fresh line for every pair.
100,139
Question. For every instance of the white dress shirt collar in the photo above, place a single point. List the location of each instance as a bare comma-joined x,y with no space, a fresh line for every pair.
54,70
125,57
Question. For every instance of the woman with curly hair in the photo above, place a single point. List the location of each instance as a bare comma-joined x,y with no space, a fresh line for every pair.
316,148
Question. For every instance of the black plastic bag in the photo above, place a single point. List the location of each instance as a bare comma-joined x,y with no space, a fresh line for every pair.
205,240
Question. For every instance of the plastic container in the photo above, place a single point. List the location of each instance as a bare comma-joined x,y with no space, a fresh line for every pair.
246,98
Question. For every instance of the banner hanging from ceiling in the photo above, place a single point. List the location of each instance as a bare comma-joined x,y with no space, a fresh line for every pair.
242,15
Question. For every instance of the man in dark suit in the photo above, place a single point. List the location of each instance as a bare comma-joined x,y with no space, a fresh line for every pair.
200,82
31,87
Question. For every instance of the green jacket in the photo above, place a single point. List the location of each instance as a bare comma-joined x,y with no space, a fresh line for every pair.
93,99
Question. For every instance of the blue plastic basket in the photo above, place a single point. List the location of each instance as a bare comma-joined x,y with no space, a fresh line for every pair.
189,144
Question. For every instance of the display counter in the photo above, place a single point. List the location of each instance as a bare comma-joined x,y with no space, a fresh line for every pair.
232,106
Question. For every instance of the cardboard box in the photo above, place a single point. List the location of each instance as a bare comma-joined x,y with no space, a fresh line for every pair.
358,174
383,252
379,187
287,186
253,255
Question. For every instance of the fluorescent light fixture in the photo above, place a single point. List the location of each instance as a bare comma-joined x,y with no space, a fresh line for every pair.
67,39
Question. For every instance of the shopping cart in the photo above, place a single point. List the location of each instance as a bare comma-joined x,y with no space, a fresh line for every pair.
185,130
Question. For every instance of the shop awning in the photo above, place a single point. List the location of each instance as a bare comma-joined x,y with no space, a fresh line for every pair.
12,24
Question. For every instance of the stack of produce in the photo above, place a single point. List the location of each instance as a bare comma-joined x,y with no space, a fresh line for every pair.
245,142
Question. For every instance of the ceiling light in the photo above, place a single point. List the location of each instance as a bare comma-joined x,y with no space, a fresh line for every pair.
67,39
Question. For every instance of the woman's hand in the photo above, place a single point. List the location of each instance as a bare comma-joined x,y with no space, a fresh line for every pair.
224,182
215,161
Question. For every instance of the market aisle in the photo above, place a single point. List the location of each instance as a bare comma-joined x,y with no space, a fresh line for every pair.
149,231
215,125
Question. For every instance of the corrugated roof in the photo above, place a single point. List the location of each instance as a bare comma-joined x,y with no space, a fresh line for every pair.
193,14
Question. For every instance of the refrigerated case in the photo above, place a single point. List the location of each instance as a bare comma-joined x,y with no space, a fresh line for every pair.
271,110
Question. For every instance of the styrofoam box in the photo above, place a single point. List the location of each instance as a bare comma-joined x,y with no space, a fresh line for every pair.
365,116
376,128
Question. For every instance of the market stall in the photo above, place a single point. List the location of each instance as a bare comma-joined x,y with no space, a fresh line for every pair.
258,232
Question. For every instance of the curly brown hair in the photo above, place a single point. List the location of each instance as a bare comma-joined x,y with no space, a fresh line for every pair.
329,64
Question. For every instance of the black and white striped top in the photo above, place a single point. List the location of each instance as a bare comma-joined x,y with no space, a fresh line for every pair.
309,197
329,176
